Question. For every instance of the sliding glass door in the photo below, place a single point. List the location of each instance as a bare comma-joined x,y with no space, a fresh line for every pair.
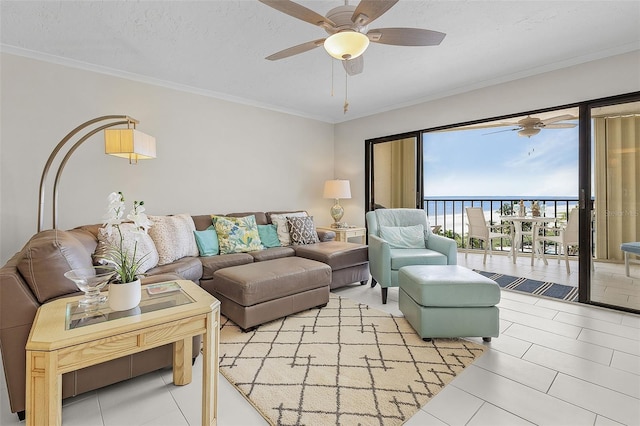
393,175
615,206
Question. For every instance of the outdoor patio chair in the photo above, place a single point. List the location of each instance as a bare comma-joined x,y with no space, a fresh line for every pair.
564,236
479,229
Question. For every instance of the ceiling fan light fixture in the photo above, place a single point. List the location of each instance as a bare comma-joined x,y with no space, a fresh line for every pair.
346,45
529,131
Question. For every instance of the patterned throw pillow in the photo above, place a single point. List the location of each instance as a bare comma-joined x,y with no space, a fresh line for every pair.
237,234
145,248
173,236
282,227
302,230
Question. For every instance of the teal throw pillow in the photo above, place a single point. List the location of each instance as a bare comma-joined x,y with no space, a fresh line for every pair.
403,236
269,236
207,241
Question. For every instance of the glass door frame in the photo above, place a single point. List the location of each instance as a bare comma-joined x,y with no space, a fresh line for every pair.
369,185
584,177
586,206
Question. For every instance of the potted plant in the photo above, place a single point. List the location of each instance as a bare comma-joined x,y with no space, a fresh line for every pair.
125,290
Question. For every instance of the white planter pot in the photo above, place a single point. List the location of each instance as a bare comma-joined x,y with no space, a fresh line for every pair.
123,297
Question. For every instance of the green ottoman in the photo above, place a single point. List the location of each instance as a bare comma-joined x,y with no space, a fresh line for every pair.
449,301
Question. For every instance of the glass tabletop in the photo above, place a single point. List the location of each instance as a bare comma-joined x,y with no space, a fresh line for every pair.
155,297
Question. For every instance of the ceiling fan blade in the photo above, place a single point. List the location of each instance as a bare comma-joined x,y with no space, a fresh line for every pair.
354,66
370,10
298,11
559,126
406,36
301,48
500,131
558,118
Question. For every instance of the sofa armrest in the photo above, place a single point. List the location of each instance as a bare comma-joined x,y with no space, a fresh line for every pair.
325,235
444,245
380,260
18,307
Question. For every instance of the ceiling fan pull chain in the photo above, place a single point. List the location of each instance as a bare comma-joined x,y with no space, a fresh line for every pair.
332,61
346,92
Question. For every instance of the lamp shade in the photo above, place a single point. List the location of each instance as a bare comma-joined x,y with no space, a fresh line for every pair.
337,189
346,45
129,143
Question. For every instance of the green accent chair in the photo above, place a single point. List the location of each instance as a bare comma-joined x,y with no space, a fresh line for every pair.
401,248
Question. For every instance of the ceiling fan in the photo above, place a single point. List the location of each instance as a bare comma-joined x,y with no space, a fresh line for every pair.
531,126
348,31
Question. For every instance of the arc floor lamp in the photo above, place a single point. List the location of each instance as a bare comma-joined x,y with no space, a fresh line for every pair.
128,143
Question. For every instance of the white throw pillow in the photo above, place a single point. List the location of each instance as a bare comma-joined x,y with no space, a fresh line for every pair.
173,236
145,248
403,236
282,228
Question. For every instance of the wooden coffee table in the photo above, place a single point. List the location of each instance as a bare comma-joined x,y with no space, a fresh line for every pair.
64,338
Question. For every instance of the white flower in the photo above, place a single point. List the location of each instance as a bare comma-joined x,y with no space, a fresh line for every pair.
139,218
115,211
126,263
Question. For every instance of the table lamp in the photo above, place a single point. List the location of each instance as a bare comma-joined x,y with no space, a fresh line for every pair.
337,189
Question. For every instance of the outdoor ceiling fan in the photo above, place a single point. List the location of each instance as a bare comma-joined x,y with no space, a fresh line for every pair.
531,126
348,31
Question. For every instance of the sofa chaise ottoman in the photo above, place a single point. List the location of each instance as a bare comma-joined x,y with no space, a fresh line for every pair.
449,301
259,292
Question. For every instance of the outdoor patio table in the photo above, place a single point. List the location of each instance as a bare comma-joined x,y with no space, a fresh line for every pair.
517,226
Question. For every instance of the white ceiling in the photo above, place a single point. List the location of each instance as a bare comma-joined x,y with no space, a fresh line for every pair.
218,47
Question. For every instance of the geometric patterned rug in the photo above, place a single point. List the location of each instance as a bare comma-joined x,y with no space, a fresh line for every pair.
344,364
540,288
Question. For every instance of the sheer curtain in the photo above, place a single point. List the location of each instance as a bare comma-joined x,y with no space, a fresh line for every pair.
617,194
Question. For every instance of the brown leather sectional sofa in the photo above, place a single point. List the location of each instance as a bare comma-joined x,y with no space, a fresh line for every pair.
34,276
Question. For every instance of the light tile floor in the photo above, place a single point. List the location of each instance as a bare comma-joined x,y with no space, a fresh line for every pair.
555,363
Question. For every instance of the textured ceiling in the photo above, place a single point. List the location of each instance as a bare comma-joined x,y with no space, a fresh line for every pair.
218,47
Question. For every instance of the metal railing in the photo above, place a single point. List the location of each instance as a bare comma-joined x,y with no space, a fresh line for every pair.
450,215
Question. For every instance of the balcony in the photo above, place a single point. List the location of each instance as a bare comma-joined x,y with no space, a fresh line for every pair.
448,214
608,282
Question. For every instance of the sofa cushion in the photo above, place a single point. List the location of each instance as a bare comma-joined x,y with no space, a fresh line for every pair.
189,268
272,253
207,241
261,217
173,237
337,254
202,221
406,257
46,257
280,220
237,234
86,236
269,235
141,243
213,263
302,230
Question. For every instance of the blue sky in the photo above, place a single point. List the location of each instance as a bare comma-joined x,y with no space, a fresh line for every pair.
475,163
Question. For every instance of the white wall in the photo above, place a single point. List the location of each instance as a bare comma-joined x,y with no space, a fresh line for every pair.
219,156
214,156
607,77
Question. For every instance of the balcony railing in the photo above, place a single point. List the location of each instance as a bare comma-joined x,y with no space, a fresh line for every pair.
450,215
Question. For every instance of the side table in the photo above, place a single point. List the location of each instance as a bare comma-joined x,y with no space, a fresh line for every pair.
343,234
63,338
